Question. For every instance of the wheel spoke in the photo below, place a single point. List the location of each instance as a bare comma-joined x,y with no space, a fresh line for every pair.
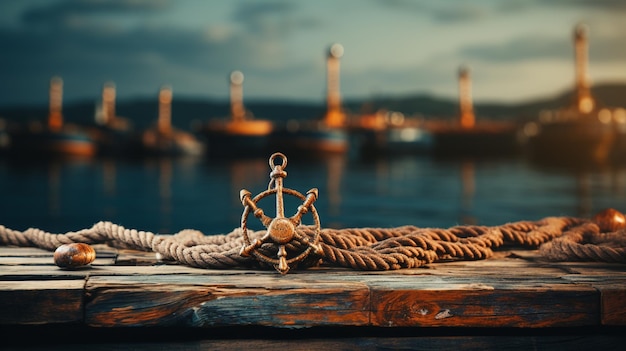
280,230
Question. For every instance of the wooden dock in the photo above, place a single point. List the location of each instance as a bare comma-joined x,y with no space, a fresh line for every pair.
515,293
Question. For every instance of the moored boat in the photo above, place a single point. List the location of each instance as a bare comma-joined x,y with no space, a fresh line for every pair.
318,137
112,133
165,140
241,133
56,138
389,133
580,132
469,136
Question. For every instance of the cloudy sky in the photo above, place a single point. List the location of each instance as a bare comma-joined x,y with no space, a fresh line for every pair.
517,49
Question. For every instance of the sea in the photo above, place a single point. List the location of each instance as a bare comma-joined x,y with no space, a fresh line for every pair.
166,195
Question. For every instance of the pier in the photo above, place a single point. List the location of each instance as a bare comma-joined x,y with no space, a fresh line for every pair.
516,293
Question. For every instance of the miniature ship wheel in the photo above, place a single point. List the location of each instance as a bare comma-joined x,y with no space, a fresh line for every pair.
281,230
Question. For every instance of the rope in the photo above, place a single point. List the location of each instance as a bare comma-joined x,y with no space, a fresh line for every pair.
559,238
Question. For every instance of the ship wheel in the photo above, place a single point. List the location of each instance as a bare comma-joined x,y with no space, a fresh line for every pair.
281,230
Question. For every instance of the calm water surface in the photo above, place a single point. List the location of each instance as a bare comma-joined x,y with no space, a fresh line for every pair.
167,195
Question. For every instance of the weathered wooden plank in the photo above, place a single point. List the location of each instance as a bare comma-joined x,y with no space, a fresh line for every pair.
496,267
207,301
41,302
510,290
456,302
14,251
38,272
614,304
47,260
612,294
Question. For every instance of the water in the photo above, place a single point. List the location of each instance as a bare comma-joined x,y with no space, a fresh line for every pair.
167,195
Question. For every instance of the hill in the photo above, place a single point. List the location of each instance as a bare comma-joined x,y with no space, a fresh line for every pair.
143,112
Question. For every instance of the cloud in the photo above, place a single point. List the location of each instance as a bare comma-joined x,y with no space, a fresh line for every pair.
192,60
67,13
519,49
602,49
448,11
610,5
272,19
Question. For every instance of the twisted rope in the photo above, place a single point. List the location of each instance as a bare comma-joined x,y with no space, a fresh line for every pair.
560,238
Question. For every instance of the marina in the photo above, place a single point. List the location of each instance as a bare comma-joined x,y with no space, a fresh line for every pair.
582,131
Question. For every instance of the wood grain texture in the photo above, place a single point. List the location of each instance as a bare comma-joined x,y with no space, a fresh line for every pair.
126,288
528,308
41,302
224,300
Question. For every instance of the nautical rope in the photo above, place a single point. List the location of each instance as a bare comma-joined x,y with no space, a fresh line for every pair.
558,238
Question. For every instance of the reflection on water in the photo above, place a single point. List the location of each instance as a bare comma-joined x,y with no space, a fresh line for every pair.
170,194
468,186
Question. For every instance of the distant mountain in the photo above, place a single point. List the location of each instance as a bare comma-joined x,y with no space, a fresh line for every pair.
143,112
610,95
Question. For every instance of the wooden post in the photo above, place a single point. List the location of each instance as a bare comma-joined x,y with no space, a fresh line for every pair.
334,114
468,120
237,110
165,110
55,117
584,101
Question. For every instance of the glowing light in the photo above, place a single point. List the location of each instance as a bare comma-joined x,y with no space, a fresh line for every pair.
604,116
236,77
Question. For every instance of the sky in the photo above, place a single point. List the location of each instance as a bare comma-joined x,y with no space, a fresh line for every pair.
517,50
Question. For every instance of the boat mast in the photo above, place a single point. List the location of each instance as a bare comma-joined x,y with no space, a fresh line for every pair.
55,117
164,123
584,101
334,114
468,120
108,103
237,110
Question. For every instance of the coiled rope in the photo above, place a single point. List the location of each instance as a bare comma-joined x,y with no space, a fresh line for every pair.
558,238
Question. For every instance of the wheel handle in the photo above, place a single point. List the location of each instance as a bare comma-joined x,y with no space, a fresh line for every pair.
281,230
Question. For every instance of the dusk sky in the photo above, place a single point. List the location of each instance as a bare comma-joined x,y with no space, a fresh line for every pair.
517,50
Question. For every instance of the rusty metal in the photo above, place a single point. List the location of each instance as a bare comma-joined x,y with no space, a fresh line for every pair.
281,230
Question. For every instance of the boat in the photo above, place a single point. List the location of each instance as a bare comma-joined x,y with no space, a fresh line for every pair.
468,136
165,140
57,138
112,133
316,137
240,134
389,133
581,132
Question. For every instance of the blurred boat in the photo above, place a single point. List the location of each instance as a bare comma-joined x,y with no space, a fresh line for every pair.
163,139
112,133
581,132
389,133
467,136
240,134
319,137
56,138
